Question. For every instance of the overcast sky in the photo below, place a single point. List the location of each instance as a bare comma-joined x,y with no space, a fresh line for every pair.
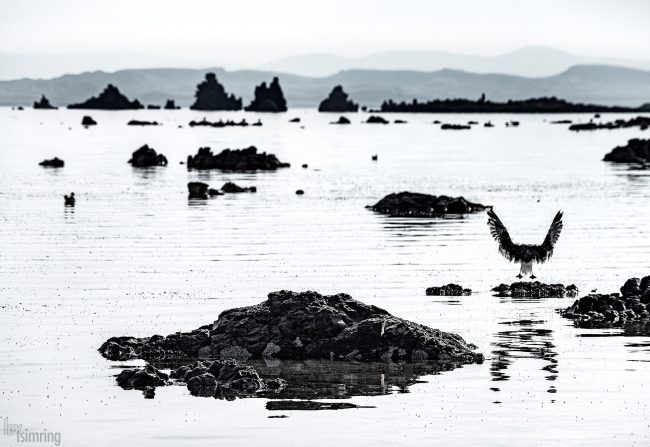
249,32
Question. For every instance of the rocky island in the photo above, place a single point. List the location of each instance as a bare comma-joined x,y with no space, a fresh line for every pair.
268,99
410,204
146,157
44,103
642,122
338,101
636,151
235,160
211,95
55,162
109,99
521,289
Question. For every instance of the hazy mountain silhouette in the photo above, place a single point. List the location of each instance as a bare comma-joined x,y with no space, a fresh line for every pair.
586,83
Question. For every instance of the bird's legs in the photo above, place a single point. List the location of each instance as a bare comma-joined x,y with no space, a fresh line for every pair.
521,267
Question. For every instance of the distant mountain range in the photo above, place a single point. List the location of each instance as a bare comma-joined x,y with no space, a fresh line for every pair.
599,84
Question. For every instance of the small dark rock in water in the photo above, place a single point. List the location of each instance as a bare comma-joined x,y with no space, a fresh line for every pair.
643,122
375,119
171,105
210,95
448,290
399,122
635,151
613,310
153,107
488,124
88,121
149,392
43,103
294,120
52,163
512,124
338,101
341,120
142,123
141,378
375,157
234,160
535,289
215,192
455,127
230,187
409,204
287,405
110,99
300,192
146,157
268,99
228,123
197,190
305,166
69,200
561,122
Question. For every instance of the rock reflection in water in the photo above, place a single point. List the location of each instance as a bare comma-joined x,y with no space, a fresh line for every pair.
525,341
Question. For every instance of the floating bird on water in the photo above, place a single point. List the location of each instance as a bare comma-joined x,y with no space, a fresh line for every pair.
69,200
525,254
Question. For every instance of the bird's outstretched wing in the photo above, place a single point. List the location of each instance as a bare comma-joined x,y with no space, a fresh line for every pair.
501,235
552,236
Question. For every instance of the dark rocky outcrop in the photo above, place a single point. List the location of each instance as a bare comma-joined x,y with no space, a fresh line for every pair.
310,405
153,107
141,378
338,101
307,325
171,105
535,290
632,305
643,122
294,120
447,126
230,187
110,99
142,123
375,119
410,204
341,120
234,160
448,290
198,190
211,95
88,121
221,123
146,157
43,103
300,192
55,162
635,151
268,99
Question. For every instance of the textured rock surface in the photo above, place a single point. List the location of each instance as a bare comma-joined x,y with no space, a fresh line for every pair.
536,290
146,157
230,187
211,95
448,290
338,101
43,103
410,204
268,99
141,378
635,151
197,190
55,162
613,310
109,99
234,160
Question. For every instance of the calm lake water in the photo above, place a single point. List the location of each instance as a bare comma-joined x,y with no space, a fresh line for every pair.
135,257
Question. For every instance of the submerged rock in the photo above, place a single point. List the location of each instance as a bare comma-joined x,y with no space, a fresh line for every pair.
142,123
221,123
55,162
632,305
338,101
455,126
268,99
211,95
197,190
448,290
341,120
234,160
109,99
375,119
43,103
635,151
88,121
535,290
146,157
409,204
230,187
141,378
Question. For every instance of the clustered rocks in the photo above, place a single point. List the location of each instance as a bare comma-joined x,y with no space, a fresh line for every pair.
146,157
211,95
142,123
640,121
55,162
535,289
221,123
614,309
447,126
268,99
43,103
635,151
109,99
200,190
234,160
409,204
448,290
338,101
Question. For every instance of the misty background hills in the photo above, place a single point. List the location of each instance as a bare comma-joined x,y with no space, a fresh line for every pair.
607,85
